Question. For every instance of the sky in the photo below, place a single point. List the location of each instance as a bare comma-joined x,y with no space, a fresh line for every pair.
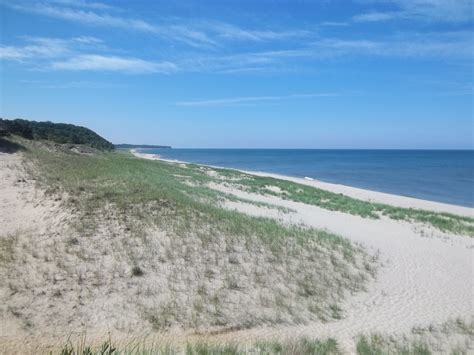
362,74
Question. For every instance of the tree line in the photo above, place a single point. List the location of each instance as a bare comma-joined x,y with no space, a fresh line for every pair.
62,133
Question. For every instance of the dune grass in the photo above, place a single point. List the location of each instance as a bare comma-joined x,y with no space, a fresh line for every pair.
199,177
7,248
454,336
221,269
301,346
378,345
338,202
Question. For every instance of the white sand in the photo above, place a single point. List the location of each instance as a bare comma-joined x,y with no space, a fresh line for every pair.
427,277
425,280
145,155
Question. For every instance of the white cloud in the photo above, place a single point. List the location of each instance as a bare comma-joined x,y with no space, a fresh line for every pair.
229,31
39,48
87,17
249,100
12,53
83,4
94,62
180,33
456,45
200,34
375,16
334,23
87,40
456,11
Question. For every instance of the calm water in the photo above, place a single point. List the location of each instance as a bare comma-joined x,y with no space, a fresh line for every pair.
444,176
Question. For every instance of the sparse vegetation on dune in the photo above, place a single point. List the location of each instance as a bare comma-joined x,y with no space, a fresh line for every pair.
301,346
166,255
455,337
338,202
451,337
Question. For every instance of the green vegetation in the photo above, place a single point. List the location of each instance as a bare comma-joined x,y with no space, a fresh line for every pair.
54,132
378,345
424,341
7,248
302,346
339,202
167,215
453,337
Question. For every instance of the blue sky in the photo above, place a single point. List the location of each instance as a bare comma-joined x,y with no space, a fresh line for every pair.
245,73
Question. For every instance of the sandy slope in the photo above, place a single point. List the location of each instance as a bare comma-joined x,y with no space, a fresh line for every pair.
427,277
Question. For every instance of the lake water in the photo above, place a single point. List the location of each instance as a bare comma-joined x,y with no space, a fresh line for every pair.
443,176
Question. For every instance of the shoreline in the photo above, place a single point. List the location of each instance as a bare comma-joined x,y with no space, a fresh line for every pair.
350,191
423,271
421,279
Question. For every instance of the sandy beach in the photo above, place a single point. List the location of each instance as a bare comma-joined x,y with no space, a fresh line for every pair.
422,289
427,275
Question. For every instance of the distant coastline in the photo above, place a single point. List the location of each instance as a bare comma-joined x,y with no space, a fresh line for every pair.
141,146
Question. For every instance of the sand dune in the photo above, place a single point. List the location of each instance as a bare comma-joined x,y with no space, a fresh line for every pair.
426,277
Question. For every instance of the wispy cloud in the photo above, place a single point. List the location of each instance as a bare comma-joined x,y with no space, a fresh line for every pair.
43,47
249,100
83,4
68,54
437,46
374,16
96,16
93,62
85,16
229,31
83,84
334,24
37,48
199,34
421,10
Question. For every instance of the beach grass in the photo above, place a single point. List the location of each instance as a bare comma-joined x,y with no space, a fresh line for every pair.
221,269
293,191
300,346
200,177
379,345
454,336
